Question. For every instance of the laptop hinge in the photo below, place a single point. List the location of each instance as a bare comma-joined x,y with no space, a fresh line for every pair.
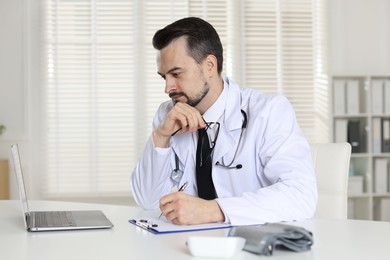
29,219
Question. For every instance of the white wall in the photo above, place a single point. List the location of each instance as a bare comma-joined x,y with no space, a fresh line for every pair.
13,98
359,37
359,44
19,84
12,70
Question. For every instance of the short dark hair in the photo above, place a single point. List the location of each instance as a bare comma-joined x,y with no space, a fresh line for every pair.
202,39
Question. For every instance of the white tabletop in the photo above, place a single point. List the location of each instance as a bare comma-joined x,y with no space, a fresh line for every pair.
333,239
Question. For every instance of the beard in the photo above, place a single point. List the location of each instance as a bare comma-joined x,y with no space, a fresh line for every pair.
192,101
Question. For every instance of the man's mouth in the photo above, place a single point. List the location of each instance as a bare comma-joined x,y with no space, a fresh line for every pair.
176,95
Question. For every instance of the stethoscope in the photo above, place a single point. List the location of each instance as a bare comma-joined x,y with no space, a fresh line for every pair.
177,173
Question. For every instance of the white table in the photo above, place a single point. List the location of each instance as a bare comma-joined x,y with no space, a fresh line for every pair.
333,239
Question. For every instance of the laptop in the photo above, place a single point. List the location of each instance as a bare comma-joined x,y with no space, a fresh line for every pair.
54,220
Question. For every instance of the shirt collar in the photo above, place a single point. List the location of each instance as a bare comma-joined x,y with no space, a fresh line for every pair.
216,111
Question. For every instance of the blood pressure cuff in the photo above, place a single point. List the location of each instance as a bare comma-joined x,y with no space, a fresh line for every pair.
263,239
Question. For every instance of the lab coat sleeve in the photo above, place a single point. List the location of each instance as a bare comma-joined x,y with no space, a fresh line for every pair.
151,177
285,171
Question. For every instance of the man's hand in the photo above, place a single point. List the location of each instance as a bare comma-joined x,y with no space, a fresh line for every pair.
182,117
183,209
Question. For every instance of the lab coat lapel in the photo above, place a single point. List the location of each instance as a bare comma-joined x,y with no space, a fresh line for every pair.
232,122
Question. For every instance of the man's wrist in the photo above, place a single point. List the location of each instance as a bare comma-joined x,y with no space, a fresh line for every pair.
217,214
159,139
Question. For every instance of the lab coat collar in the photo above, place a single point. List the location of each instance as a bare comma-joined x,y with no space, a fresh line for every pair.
233,117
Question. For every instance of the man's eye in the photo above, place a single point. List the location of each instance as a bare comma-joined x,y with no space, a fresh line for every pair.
176,75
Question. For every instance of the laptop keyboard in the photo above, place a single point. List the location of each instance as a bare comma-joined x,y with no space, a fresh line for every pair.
54,219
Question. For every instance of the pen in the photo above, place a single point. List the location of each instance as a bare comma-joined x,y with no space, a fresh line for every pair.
182,188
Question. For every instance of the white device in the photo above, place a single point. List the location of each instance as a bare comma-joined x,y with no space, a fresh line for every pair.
215,246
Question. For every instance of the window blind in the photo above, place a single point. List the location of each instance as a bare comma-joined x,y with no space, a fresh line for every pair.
102,88
100,95
88,98
284,53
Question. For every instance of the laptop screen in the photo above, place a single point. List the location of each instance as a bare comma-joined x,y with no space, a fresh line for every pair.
20,181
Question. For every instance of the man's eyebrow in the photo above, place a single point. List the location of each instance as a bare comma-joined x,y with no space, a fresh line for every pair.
169,71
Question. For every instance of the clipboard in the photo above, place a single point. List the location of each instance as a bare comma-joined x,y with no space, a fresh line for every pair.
150,221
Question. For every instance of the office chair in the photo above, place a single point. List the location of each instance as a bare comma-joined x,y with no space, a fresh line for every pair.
331,165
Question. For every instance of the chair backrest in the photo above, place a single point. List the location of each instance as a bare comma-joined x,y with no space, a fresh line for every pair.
331,165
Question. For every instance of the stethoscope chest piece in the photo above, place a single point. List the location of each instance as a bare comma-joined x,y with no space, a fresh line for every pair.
176,174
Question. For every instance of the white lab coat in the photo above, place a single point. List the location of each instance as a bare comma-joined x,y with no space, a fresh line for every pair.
276,181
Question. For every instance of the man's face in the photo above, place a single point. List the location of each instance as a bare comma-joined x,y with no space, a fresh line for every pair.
184,78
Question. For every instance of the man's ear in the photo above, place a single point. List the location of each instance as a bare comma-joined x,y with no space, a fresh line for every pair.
211,64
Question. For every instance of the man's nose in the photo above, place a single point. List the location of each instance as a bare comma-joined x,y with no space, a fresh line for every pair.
170,85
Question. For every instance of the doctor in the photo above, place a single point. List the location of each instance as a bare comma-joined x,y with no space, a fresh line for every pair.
260,162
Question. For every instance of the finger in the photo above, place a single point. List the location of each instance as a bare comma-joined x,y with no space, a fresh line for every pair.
165,200
182,120
173,123
192,116
166,209
170,215
179,215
